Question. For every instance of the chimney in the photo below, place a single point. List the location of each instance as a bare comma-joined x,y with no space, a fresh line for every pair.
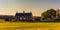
30,12
23,11
16,11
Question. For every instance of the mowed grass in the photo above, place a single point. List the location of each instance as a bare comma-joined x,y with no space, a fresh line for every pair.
29,26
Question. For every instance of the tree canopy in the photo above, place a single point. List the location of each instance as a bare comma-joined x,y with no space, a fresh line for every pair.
49,14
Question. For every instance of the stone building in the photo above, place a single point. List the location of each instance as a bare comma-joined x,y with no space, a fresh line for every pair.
23,16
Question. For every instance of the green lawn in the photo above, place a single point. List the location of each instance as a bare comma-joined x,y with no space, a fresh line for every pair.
29,26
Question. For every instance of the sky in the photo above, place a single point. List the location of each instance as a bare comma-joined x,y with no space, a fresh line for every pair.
10,7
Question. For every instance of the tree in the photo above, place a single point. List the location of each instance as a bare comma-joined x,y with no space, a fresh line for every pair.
49,15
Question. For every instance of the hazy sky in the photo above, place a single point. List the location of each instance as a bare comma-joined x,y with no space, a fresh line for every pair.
10,7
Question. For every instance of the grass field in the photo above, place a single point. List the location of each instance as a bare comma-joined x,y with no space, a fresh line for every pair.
29,26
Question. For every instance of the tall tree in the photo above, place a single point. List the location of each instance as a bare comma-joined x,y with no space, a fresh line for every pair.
49,14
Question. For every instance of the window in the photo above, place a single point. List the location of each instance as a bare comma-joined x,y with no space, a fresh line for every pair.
24,18
20,18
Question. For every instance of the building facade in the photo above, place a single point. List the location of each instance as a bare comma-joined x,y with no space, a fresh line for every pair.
23,16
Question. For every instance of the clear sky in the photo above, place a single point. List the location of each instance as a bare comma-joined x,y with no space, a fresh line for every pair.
10,7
